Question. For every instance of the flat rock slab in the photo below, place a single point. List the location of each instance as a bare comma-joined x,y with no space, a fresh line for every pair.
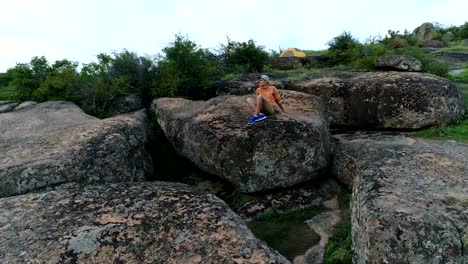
56,142
280,151
410,198
151,222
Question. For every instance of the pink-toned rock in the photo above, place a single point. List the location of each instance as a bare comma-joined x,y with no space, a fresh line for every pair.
150,222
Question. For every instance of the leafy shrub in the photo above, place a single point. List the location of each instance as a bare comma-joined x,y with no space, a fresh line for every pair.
185,70
463,31
367,55
27,77
343,49
61,82
338,248
429,63
5,79
243,57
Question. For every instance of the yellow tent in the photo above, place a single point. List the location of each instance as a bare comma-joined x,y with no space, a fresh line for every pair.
292,52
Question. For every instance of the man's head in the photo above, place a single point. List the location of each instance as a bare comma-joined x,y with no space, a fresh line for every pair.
263,81
265,78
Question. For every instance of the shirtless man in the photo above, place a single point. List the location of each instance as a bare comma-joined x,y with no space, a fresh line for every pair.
268,101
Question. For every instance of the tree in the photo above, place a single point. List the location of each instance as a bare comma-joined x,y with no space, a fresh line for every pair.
185,70
60,83
243,56
343,49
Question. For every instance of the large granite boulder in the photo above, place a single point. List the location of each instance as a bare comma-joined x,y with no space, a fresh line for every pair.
398,62
55,142
425,32
410,198
281,151
151,222
401,100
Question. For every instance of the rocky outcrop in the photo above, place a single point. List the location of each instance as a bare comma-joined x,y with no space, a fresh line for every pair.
281,151
401,100
425,32
449,36
55,142
7,106
433,44
125,104
323,224
126,223
454,59
289,63
292,199
409,201
398,62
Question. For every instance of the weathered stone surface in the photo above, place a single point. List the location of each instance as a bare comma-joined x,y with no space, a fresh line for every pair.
55,142
410,198
151,222
24,105
323,224
281,151
433,44
425,32
449,36
454,59
398,62
288,63
403,100
125,104
7,106
292,199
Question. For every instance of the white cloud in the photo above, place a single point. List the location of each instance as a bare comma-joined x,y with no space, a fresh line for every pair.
80,29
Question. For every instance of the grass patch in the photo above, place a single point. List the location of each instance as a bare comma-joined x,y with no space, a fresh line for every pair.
461,78
338,248
463,87
230,76
287,233
7,93
457,131
298,77
454,48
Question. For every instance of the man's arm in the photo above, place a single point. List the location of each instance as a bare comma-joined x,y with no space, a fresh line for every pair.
278,99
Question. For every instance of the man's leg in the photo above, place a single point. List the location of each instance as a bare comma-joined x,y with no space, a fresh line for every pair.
268,108
251,103
260,102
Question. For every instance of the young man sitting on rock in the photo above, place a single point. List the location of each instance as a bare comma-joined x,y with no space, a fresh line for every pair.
268,101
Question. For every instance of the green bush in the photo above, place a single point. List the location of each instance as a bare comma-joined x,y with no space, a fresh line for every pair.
185,70
27,77
338,248
461,77
343,49
367,55
61,83
429,63
243,57
5,79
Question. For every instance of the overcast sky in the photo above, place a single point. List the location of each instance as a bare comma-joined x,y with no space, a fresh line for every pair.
78,30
